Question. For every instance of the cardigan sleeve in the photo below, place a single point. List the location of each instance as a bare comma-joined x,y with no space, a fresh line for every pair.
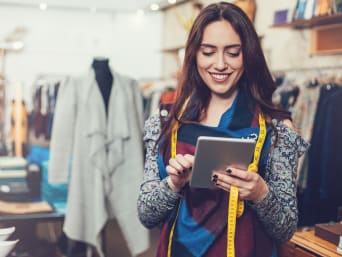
63,133
278,210
156,199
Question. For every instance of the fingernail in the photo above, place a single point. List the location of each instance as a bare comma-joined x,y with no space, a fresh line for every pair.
228,171
214,178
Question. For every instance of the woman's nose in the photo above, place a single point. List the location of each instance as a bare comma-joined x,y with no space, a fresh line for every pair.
220,63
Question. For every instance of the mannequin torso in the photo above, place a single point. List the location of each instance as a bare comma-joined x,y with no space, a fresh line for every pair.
104,78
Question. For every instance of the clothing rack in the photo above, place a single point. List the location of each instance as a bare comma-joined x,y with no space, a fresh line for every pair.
49,78
312,112
44,93
306,69
323,75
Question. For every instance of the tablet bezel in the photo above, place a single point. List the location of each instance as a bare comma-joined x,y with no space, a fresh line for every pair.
217,153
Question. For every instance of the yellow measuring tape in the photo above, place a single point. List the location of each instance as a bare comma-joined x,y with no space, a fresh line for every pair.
174,133
235,207
174,130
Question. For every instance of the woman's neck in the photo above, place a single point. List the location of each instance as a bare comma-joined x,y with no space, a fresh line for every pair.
217,106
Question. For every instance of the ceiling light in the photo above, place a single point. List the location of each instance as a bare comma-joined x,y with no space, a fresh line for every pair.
43,6
17,45
172,1
154,7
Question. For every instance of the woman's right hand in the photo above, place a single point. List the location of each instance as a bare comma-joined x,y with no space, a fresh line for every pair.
179,170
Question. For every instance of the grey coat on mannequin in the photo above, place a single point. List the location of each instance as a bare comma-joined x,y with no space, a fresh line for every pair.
106,155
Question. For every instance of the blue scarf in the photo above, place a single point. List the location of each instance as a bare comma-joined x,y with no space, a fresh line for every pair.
202,216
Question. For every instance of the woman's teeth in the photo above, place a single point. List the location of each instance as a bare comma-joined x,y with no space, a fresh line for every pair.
220,76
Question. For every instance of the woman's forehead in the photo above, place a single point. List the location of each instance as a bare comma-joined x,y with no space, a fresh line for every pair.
220,33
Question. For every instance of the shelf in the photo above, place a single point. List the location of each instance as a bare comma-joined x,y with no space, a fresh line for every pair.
326,40
308,240
32,217
326,33
314,22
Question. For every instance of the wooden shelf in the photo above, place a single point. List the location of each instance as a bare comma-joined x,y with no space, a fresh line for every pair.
326,33
326,39
306,244
314,22
309,241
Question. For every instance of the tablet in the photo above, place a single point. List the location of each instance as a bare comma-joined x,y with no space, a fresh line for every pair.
216,153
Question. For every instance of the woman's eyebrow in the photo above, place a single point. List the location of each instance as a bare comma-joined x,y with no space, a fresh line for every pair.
226,47
232,46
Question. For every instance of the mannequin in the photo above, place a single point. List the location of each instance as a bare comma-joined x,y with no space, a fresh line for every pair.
104,78
99,148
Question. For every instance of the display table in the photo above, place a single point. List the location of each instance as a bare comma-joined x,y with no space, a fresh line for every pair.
306,244
26,230
33,217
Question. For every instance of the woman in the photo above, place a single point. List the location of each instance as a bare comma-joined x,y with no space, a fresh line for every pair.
225,90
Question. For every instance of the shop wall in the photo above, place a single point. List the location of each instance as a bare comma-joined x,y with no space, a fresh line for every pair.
174,37
65,42
284,48
287,48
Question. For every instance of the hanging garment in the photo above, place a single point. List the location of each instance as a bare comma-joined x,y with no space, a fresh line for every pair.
105,156
19,126
323,193
41,111
303,114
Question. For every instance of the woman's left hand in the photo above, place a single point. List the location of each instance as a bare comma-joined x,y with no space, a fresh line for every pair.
251,185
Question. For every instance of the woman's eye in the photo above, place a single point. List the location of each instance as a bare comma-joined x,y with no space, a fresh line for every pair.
233,54
208,53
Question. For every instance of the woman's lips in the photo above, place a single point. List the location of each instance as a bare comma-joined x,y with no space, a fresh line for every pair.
219,77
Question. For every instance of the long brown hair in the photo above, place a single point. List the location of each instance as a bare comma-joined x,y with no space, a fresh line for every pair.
255,82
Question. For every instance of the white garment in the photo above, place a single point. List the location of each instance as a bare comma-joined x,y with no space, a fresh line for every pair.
105,155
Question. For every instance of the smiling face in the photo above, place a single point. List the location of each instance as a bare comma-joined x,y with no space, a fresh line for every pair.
219,59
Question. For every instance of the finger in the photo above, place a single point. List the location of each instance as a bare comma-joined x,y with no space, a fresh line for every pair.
229,180
223,187
183,161
190,158
172,171
239,173
227,187
246,189
186,165
175,164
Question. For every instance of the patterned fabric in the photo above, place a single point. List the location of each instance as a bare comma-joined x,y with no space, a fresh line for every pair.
276,214
303,115
202,217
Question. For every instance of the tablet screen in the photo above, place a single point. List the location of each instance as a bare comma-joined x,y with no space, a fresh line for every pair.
217,153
